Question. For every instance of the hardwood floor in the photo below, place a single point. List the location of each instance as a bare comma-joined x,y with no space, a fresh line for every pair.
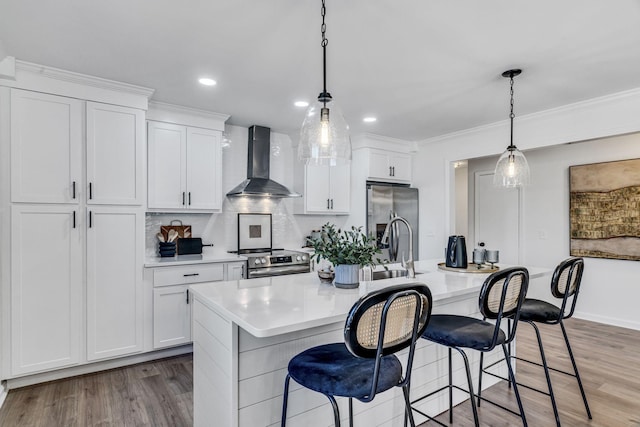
159,393
607,359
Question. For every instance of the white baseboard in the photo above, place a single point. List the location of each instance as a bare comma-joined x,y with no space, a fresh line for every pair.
613,321
95,367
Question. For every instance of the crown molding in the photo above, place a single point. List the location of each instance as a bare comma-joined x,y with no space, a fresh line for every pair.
370,140
178,114
82,79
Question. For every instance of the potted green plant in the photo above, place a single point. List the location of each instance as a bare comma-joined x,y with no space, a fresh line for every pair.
347,250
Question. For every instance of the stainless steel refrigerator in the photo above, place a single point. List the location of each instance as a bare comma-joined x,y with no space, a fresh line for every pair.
385,201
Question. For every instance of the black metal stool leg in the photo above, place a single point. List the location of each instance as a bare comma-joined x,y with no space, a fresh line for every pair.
575,369
480,378
515,386
283,421
450,388
407,403
336,411
470,384
546,373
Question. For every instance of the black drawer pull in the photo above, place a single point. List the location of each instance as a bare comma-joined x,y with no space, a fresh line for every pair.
191,274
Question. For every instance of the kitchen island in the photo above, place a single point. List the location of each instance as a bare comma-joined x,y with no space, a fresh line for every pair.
246,331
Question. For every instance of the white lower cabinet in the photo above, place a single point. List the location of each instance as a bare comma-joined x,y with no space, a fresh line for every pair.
171,316
171,299
235,270
114,282
46,288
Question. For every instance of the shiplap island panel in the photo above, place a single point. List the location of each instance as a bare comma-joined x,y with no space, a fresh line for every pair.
246,331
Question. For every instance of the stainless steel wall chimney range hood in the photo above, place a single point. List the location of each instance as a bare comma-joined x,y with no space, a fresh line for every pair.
258,183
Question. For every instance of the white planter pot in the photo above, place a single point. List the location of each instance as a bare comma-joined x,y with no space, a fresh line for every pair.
347,276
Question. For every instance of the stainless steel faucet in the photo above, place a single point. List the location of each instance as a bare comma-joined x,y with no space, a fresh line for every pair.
408,264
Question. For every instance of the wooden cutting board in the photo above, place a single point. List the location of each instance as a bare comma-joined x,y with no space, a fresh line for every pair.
176,224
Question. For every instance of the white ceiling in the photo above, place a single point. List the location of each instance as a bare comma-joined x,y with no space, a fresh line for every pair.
422,67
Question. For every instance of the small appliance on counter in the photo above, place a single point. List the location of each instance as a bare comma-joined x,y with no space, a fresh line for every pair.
456,256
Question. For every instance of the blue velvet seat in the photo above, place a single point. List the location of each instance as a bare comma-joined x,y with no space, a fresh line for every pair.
565,285
501,297
378,325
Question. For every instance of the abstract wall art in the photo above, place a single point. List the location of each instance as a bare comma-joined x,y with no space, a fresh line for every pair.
604,205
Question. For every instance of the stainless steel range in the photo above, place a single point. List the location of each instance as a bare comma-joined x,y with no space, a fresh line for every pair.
276,262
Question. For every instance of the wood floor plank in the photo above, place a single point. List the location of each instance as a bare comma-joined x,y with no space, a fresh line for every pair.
160,393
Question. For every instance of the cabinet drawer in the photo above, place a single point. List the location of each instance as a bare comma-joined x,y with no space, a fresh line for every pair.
166,276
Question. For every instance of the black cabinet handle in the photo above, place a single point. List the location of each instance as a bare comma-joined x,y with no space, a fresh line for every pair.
90,191
328,204
242,276
74,219
183,196
189,198
187,296
390,173
331,203
90,219
74,190
191,274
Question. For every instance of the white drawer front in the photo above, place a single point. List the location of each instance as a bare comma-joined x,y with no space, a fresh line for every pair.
166,276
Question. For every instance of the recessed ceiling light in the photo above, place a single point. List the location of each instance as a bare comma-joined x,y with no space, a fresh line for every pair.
301,104
207,81
369,119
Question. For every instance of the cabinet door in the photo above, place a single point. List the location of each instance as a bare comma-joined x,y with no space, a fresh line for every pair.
340,188
166,161
115,150
401,164
114,282
46,288
204,169
317,194
235,271
379,167
46,147
171,316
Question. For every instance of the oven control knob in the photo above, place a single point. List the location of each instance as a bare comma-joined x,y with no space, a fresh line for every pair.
298,258
304,257
264,260
257,261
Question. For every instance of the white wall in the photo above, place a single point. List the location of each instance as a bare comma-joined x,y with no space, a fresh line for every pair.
617,114
546,227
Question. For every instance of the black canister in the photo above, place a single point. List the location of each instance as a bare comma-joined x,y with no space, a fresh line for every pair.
456,252
167,249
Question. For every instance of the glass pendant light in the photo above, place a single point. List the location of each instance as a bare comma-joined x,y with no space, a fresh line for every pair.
324,136
512,169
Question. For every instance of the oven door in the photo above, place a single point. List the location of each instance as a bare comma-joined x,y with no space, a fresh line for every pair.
278,270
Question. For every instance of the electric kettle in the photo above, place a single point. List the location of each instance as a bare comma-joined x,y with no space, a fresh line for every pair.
456,252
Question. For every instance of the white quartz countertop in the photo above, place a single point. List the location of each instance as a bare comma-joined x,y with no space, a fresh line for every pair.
205,257
276,305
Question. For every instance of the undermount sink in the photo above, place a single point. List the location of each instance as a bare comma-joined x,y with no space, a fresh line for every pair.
390,274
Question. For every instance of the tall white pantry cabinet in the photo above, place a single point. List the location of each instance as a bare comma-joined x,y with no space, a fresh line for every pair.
75,207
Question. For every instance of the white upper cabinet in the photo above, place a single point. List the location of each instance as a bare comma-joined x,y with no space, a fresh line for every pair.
389,166
326,189
46,147
115,155
184,167
204,169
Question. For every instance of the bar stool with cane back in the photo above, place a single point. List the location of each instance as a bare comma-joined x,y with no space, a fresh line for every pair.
501,297
378,325
565,283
